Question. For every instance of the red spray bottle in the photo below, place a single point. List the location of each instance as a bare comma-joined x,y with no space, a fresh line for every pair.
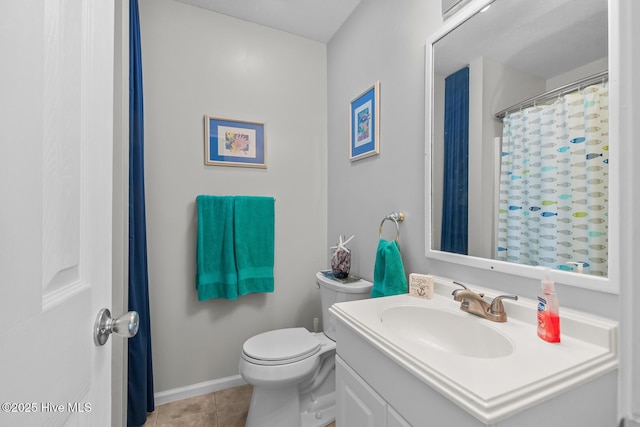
548,310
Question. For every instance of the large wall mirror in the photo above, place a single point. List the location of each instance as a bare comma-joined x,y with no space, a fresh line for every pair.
518,139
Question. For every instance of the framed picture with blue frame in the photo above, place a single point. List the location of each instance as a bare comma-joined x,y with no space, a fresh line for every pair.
234,143
364,124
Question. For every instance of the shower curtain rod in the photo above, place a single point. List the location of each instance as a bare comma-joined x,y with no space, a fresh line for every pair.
562,90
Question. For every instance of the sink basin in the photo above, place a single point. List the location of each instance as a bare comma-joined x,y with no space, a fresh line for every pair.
446,331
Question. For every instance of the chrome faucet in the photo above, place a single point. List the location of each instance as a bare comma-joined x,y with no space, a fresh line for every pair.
474,303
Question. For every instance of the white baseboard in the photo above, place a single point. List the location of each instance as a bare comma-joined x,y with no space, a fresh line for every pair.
198,389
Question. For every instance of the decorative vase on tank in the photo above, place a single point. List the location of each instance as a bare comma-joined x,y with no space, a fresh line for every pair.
341,259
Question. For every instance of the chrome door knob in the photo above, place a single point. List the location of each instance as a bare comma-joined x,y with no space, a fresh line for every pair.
125,326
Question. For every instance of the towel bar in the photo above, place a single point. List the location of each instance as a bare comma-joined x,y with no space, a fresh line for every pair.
397,218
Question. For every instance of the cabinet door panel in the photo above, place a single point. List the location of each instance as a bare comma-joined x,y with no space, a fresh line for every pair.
394,419
357,403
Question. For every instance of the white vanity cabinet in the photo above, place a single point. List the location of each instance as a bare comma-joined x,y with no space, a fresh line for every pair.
373,391
383,378
361,406
394,419
377,392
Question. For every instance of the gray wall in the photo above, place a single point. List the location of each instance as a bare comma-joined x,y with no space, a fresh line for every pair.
382,40
385,41
196,62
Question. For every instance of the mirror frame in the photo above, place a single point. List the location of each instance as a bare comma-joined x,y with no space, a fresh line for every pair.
603,284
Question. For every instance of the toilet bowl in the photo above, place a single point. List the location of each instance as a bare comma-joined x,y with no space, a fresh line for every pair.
292,370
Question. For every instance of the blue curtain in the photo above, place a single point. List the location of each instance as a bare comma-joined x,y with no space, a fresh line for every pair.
140,378
455,201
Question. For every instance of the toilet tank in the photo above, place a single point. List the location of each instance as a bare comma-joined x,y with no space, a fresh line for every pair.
332,291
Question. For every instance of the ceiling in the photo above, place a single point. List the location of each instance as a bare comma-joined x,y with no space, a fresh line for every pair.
314,19
518,33
544,37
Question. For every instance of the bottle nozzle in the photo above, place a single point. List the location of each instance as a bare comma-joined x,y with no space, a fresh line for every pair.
546,283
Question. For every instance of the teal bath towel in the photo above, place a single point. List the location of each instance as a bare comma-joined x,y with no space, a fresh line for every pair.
216,275
388,271
254,243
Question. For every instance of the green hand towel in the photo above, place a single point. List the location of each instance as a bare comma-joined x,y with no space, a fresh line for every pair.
216,275
254,243
388,271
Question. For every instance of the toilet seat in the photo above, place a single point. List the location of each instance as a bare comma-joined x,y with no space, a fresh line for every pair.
280,347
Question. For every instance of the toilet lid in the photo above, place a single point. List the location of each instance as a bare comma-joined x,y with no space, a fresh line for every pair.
281,346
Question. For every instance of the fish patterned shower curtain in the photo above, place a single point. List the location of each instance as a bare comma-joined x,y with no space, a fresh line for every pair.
553,207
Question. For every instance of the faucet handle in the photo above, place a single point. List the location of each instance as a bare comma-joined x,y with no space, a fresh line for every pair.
496,304
455,291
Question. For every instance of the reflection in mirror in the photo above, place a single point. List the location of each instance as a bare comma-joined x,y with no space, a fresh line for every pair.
520,135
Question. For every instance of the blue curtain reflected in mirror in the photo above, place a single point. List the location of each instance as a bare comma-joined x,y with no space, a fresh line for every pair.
455,204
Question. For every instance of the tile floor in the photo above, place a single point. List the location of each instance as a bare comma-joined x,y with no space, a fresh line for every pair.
224,408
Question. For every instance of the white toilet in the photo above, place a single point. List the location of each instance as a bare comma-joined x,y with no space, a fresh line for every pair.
292,370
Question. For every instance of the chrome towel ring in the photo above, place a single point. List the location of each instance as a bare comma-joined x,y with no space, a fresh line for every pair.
397,218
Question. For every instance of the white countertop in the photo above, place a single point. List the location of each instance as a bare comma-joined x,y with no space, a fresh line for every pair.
492,389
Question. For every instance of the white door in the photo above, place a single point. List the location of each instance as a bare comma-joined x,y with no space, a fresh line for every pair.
56,127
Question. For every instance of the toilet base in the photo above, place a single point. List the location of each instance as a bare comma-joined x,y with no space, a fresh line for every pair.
310,404
284,410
